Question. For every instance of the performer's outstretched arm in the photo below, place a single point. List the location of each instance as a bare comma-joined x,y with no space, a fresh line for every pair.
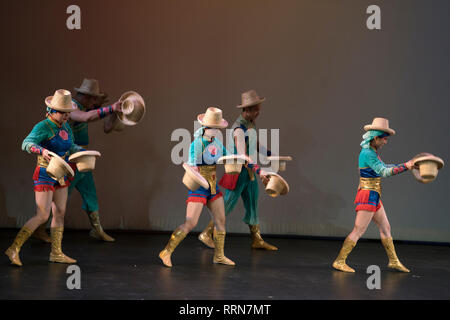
385,170
94,115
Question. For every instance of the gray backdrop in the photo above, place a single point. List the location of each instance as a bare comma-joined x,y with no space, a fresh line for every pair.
324,75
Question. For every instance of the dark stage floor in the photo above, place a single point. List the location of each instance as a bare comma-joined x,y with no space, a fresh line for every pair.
130,269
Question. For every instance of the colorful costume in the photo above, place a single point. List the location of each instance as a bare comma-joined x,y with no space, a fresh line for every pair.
371,169
203,154
52,136
242,185
59,139
84,181
246,186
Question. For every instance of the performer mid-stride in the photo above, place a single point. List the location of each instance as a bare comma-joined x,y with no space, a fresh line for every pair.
244,185
368,204
50,135
204,152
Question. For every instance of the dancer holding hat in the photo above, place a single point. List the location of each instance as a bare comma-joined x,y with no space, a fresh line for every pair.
89,100
244,184
50,135
368,203
204,152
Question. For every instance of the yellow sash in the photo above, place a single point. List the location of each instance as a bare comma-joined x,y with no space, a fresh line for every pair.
373,184
209,173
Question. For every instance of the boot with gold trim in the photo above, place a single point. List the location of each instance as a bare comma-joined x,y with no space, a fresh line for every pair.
175,239
13,251
394,262
97,231
207,235
219,243
258,242
339,263
56,255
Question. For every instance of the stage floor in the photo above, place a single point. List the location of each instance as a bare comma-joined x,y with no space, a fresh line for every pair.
130,269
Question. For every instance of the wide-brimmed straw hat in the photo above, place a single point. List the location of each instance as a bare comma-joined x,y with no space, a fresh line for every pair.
133,108
249,99
276,185
193,179
61,101
212,118
90,87
280,160
429,165
57,168
233,163
380,124
85,160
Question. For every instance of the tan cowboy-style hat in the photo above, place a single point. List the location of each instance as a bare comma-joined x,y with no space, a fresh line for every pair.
58,168
193,179
250,98
233,163
429,165
85,160
280,160
276,185
416,174
90,87
380,124
133,108
61,101
212,118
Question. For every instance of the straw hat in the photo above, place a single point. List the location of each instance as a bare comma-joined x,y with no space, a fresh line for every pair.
428,166
212,118
381,124
416,174
280,160
90,87
57,168
85,160
233,163
276,185
133,108
61,101
193,179
250,98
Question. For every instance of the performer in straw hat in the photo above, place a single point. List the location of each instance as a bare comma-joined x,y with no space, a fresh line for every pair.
50,135
205,150
244,185
88,101
368,203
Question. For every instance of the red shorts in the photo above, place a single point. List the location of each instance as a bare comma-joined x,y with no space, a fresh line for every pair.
43,182
368,200
203,195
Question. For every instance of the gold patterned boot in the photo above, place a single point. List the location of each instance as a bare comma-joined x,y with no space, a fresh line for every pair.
207,235
41,233
56,255
97,230
219,243
13,251
258,242
175,239
394,262
339,263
